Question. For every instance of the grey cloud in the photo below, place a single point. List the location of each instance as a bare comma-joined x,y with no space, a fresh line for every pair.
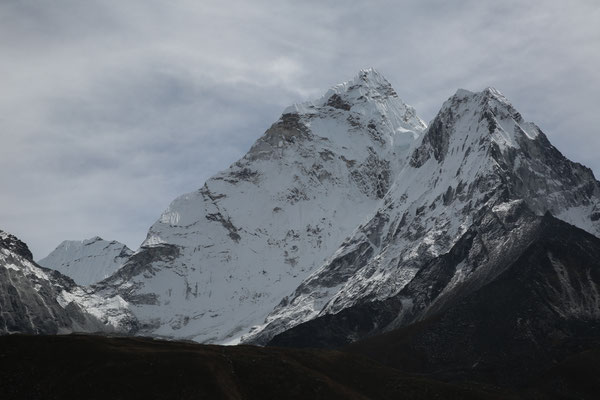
110,109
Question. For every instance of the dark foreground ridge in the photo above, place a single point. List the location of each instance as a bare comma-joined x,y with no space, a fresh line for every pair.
516,322
97,367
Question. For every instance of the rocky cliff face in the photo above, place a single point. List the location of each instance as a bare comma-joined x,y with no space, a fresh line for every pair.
35,299
490,309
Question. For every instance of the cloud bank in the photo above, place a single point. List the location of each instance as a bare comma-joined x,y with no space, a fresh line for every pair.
110,109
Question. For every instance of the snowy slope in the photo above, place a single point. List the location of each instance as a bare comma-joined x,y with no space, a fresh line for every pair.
220,259
477,154
87,261
34,299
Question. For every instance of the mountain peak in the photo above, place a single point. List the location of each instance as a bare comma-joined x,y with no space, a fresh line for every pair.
371,77
482,119
13,244
368,83
87,261
367,94
493,91
369,72
483,97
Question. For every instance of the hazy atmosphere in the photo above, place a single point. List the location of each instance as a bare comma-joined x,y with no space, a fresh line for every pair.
111,109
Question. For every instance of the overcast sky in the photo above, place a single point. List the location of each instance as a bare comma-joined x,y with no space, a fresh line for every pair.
110,109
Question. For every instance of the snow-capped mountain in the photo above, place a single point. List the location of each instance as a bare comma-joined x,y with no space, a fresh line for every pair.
477,156
87,261
345,203
219,259
34,299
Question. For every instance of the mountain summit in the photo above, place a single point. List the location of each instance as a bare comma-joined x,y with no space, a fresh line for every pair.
221,258
87,261
368,94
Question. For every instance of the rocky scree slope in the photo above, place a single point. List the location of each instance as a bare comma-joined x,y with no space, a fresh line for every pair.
37,300
469,315
542,308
